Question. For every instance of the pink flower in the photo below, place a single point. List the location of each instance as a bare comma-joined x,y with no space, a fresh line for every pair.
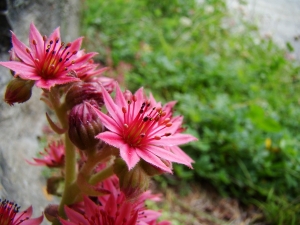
54,155
113,209
141,130
10,215
48,61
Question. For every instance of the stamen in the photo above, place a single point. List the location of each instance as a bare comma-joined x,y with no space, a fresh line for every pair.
168,124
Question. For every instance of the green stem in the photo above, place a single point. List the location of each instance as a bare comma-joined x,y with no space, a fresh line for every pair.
101,175
71,189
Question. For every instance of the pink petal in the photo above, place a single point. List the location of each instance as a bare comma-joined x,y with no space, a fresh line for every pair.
129,155
20,50
64,222
89,206
75,216
153,160
178,151
111,139
24,214
55,35
151,215
75,45
108,122
18,67
79,62
47,84
35,221
29,76
34,35
176,139
120,99
165,154
139,94
114,111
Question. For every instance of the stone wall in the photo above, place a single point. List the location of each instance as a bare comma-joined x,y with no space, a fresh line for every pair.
279,19
21,125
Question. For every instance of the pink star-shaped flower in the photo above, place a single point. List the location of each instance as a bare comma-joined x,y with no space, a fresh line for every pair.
10,215
54,155
113,209
48,61
141,130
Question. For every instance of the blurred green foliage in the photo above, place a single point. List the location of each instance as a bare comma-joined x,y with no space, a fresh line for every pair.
236,90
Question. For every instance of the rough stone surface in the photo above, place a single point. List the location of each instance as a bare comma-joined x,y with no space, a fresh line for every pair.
279,19
21,124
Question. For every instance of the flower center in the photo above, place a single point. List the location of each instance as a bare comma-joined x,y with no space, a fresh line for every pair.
147,125
8,211
54,60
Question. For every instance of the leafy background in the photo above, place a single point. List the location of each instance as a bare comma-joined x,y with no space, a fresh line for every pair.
236,90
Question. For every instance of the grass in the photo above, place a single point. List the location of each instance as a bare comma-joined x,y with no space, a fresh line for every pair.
236,90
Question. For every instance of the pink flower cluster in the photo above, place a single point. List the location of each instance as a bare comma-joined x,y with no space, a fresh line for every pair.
121,142
113,209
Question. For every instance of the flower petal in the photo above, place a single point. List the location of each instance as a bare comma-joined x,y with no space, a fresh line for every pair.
176,139
35,221
165,154
107,121
18,67
120,100
82,60
55,35
178,151
112,108
111,139
129,155
35,36
75,216
64,222
47,84
75,45
20,50
153,160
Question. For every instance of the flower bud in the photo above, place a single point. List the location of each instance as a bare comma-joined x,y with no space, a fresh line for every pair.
54,185
133,182
18,91
84,125
51,212
82,91
152,170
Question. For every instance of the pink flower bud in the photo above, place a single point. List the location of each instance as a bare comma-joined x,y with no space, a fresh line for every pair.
84,125
51,212
133,182
82,91
18,91
152,170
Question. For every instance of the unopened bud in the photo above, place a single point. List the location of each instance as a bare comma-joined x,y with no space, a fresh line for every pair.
84,125
54,185
51,212
83,91
132,183
18,91
150,169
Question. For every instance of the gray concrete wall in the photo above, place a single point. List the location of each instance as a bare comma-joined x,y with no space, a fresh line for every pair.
21,124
